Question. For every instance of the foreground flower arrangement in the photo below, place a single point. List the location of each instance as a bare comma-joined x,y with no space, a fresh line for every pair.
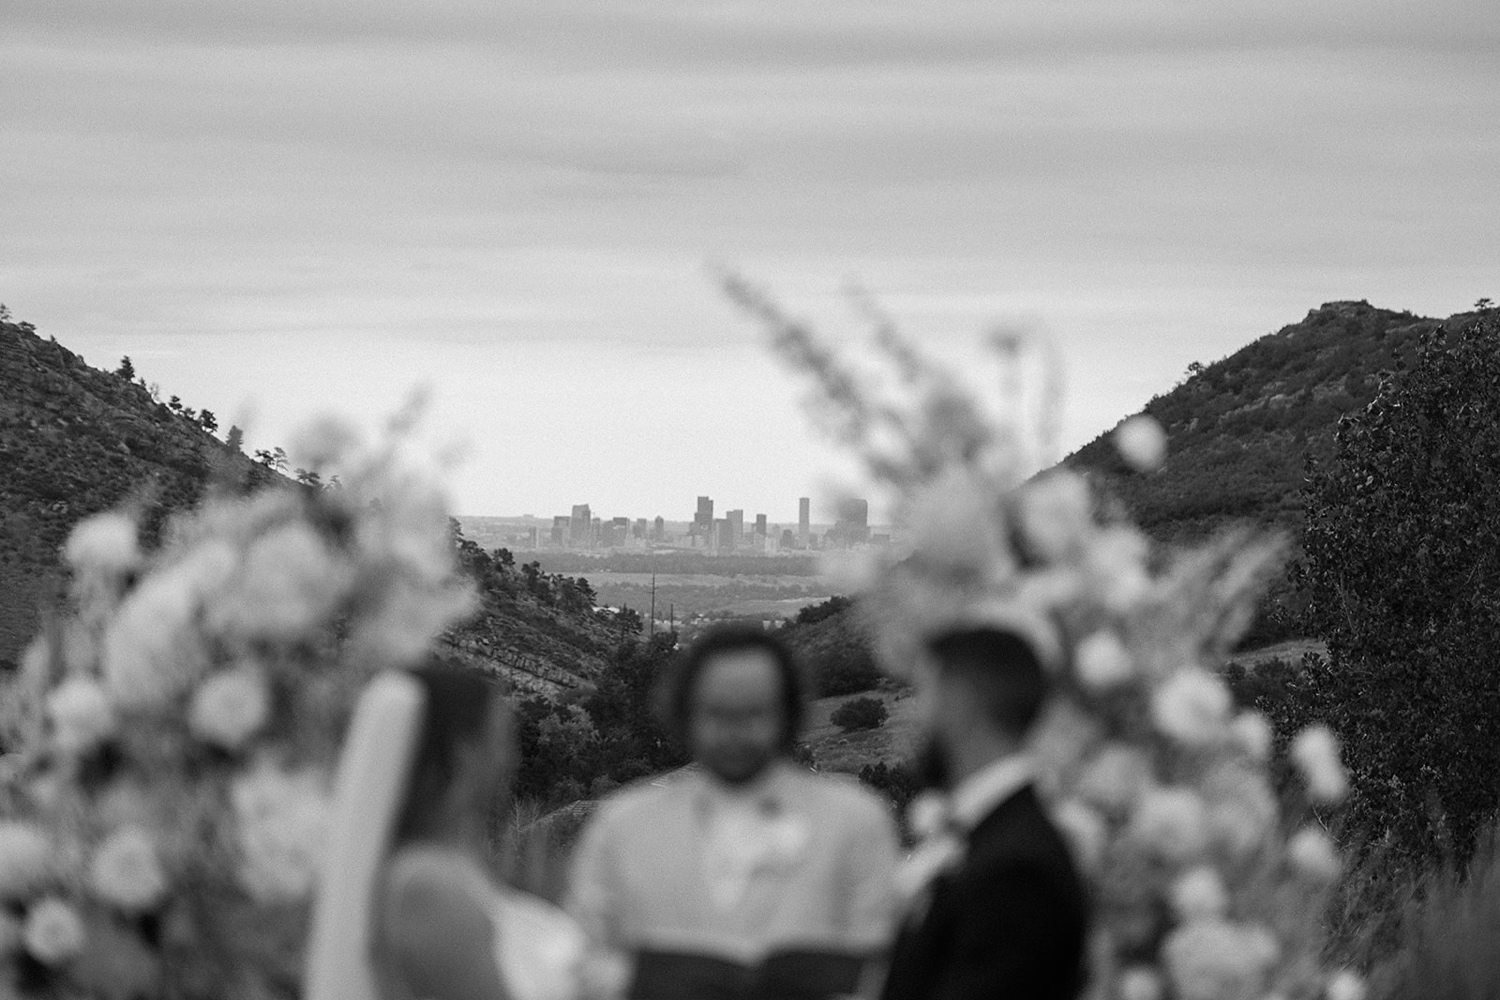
1205,887
172,738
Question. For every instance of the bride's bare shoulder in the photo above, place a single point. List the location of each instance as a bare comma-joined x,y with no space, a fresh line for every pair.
437,927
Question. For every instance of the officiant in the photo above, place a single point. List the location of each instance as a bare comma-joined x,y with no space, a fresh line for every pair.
746,875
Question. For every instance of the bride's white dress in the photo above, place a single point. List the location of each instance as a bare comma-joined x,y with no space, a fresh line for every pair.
537,949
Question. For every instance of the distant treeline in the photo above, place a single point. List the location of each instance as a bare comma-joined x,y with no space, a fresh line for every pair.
672,562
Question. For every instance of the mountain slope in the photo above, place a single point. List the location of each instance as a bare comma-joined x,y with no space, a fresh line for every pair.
1241,429
74,441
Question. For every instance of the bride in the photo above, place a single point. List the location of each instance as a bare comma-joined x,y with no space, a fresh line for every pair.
406,907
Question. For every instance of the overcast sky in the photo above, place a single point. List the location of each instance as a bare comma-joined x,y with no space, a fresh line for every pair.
293,206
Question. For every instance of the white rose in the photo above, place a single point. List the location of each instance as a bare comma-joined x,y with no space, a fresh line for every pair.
1140,983
1199,894
1218,960
1142,443
282,818
1192,708
126,872
230,707
153,650
25,859
81,713
1346,985
1102,661
1115,778
105,544
53,933
1055,515
1115,567
288,588
1171,823
1313,854
1252,732
1315,752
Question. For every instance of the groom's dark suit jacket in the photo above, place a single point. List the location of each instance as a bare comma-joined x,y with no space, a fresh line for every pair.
1009,922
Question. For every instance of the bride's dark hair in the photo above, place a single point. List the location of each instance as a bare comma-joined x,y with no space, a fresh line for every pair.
458,702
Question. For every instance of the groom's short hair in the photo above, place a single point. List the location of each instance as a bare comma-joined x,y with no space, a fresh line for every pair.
1001,668
680,683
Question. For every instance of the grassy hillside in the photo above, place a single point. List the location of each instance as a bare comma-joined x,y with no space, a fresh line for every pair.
74,441
1241,429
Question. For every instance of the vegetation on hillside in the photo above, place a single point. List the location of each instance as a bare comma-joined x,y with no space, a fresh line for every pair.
75,441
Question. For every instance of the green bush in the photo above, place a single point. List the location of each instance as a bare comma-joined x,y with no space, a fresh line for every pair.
860,713
1403,527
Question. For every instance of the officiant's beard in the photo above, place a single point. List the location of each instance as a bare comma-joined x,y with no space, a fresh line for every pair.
932,764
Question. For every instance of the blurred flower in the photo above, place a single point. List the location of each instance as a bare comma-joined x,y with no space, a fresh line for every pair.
854,571
1192,707
52,933
1142,443
928,814
25,859
955,526
104,544
126,872
1243,809
1199,894
230,707
1170,822
289,587
1315,752
153,650
1252,732
1140,983
1346,985
1115,778
281,819
1085,831
1313,854
81,713
1054,513
1115,568
325,441
1219,960
1102,661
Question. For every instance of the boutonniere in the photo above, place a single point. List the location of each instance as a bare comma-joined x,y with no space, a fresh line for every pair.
941,846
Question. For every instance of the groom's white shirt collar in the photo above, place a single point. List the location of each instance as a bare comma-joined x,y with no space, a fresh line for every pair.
982,792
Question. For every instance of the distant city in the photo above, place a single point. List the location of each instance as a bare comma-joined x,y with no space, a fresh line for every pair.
582,530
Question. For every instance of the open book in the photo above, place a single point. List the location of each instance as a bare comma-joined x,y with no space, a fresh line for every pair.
787,974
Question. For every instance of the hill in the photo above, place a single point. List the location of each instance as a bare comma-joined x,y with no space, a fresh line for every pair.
1240,430
75,441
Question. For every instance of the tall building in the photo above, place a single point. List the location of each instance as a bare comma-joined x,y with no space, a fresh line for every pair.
659,529
760,524
853,524
703,520
736,519
804,520
561,525
580,525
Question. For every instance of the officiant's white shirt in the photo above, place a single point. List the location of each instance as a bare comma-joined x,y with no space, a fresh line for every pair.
796,860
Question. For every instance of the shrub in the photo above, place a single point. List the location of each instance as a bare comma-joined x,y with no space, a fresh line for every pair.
861,713
1402,527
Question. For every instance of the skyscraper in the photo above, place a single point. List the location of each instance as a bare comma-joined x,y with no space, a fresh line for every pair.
703,520
736,519
580,525
804,520
760,524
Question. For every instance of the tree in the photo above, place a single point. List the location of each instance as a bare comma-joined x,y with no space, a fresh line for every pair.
208,421
274,460
1402,577
174,404
235,441
126,370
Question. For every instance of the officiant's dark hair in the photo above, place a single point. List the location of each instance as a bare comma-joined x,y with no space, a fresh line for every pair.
676,700
456,709
1003,670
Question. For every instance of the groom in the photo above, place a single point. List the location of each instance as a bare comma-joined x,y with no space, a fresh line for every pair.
1007,917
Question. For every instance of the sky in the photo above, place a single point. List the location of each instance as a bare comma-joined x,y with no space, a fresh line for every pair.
296,207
